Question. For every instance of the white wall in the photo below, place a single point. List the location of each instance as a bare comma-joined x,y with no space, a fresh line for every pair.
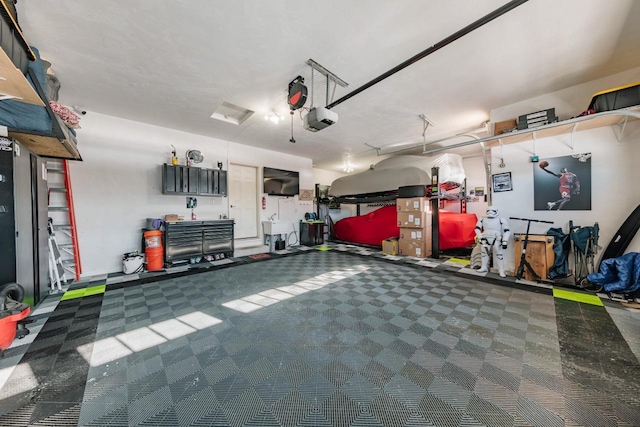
476,177
615,171
614,176
325,177
119,184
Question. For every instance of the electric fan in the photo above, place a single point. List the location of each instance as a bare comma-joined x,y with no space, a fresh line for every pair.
193,157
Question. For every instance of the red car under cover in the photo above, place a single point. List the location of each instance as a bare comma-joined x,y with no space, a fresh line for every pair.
456,230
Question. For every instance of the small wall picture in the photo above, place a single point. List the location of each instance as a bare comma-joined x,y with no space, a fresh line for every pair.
479,191
502,182
562,183
305,195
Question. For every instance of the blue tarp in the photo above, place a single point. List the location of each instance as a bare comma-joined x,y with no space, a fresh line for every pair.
620,275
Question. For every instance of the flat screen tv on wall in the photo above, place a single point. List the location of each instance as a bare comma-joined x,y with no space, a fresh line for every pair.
278,182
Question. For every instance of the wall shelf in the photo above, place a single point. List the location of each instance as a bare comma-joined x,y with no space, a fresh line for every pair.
593,121
570,126
13,84
19,71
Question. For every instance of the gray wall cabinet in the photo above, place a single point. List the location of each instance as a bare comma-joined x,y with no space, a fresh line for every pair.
180,179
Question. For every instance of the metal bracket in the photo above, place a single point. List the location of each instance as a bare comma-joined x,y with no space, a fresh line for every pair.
330,77
328,74
533,142
375,148
621,125
573,131
425,125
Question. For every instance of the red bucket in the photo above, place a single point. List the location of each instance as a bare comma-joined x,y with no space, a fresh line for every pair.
8,325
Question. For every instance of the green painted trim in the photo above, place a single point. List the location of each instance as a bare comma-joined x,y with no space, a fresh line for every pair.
578,297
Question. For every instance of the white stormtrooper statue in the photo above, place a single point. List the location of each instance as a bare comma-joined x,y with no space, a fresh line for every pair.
493,231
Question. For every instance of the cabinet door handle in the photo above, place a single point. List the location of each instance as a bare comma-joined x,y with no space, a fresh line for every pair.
231,206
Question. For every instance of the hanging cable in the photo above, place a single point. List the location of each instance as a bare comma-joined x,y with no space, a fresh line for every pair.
335,85
292,140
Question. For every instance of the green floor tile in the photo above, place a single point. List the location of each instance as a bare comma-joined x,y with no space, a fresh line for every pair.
76,293
578,297
94,290
80,293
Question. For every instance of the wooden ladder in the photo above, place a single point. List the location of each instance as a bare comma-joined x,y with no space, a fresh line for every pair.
62,214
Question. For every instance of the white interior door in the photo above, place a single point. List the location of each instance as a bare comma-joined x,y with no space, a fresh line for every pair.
243,200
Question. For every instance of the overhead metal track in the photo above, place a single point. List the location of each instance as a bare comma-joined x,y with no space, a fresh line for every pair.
453,37
328,74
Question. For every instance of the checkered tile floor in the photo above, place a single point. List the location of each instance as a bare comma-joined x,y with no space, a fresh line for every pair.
331,339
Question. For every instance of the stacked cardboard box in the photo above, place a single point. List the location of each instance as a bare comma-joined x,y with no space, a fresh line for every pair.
415,227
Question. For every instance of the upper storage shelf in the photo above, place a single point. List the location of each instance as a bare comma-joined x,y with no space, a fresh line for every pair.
606,118
593,121
13,84
25,113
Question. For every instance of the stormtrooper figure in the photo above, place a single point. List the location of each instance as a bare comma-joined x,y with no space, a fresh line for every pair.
493,232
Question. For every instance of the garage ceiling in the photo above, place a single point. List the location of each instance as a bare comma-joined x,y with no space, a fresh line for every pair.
172,63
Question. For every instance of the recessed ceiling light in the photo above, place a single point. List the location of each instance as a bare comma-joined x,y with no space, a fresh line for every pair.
231,113
273,117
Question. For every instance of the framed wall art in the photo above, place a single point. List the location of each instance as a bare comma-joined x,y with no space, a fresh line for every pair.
502,182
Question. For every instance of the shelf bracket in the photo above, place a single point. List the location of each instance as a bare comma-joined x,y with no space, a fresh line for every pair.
533,134
621,126
375,148
573,131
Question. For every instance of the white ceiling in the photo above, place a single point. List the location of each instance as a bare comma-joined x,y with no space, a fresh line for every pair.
171,63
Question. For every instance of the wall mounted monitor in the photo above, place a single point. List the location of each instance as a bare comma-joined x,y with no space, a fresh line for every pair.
278,182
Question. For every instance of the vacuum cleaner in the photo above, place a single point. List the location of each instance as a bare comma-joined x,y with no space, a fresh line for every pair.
12,315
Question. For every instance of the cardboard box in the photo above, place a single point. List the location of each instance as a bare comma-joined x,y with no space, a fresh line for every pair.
413,219
413,204
171,217
414,248
390,246
421,234
505,126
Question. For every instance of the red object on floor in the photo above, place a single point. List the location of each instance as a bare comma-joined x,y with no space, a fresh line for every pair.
8,325
456,229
